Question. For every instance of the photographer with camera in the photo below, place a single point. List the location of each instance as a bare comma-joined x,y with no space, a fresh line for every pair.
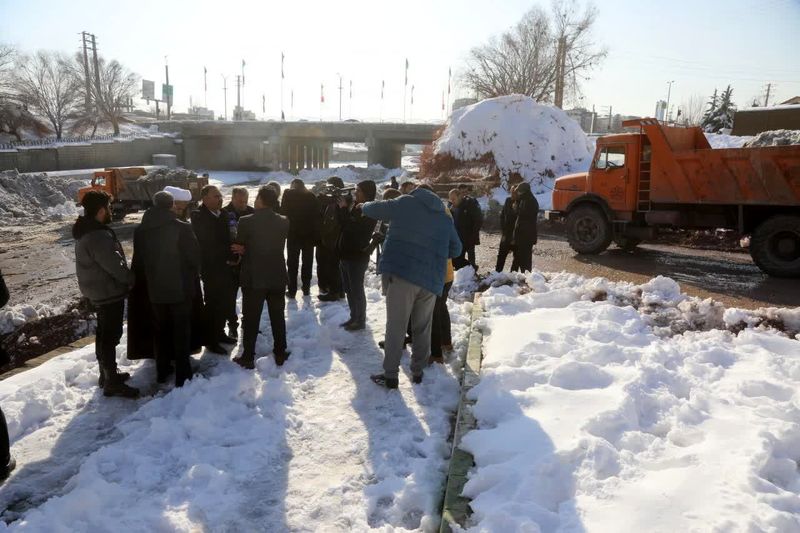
329,276
353,248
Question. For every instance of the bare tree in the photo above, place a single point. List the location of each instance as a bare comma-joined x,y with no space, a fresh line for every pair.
7,57
108,98
691,110
15,119
44,83
525,59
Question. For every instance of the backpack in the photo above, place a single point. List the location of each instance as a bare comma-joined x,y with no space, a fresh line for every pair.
331,228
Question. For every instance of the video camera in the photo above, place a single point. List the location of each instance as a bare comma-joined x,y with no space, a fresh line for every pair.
334,192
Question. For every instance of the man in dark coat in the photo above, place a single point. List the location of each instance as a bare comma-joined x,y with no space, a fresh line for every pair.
525,231
166,250
236,209
354,252
302,209
468,218
211,227
7,463
508,219
261,239
105,279
329,276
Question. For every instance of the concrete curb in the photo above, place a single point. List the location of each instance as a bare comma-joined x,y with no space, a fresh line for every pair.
36,361
455,509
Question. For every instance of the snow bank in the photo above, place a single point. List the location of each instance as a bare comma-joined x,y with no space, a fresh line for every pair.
538,141
608,407
29,198
720,140
15,316
348,174
311,446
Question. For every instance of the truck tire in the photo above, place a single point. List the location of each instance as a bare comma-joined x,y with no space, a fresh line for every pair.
775,246
627,244
588,230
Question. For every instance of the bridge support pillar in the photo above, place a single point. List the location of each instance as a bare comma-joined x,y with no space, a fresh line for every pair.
385,153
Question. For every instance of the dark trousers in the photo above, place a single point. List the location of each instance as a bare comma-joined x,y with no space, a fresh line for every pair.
467,257
5,445
294,248
173,328
108,334
220,301
440,327
353,272
252,306
502,254
329,276
233,319
523,259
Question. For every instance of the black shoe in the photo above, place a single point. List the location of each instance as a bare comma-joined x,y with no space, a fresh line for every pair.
163,375
383,381
217,349
417,379
245,361
116,387
225,339
281,357
101,380
407,341
307,291
233,333
328,297
355,326
382,345
346,324
436,359
6,470
291,294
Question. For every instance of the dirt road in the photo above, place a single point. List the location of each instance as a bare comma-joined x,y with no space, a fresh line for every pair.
730,278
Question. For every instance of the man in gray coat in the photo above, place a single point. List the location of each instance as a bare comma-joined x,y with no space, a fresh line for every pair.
261,240
105,279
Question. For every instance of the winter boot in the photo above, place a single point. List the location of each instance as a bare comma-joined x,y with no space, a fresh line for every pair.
5,470
417,379
245,361
281,357
225,339
217,349
355,326
383,381
115,386
101,380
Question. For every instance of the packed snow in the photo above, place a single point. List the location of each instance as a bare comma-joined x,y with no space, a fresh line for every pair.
540,142
30,198
613,407
720,140
774,138
311,446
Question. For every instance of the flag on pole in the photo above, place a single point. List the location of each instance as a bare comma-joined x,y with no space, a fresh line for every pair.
406,82
321,93
351,89
412,95
383,86
263,103
449,74
242,72
282,76
205,81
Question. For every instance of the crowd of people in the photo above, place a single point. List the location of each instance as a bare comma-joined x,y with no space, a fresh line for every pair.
188,267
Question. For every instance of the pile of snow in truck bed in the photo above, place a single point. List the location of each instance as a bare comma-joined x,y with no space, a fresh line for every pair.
28,198
774,138
540,142
311,446
613,407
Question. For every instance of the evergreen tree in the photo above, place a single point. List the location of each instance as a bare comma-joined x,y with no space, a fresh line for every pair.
712,106
721,117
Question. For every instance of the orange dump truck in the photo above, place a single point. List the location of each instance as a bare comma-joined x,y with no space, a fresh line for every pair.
132,189
661,176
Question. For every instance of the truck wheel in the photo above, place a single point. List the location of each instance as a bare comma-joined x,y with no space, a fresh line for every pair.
627,244
775,246
588,230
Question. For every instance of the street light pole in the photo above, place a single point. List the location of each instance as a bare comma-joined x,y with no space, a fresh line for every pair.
340,97
225,92
669,91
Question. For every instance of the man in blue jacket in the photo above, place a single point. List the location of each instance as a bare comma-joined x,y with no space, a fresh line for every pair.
420,239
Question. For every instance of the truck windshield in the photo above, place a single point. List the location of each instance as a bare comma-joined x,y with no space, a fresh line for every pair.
611,157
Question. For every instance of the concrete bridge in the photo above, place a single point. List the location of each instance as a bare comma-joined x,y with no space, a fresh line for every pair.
290,146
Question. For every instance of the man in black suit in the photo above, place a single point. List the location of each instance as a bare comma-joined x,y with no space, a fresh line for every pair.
302,209
211,226
261,239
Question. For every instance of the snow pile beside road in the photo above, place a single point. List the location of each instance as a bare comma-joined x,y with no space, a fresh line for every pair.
608,406
29,198
774,138
539,142
15,316
720,140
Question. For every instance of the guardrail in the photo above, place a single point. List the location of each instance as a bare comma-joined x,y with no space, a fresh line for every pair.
52,141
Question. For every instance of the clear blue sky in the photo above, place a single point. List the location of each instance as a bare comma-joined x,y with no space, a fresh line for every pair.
700,44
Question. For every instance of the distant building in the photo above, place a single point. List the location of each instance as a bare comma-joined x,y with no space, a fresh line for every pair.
201,113
243,114
595,123
463,102
754,120
583,117
661,110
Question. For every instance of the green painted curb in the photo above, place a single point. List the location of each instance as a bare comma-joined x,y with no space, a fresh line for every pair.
455,508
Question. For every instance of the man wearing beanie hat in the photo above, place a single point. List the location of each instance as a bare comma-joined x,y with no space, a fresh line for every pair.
419,240
353,247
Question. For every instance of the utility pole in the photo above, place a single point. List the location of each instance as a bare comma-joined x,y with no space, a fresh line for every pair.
669,91
97,98
169,90
340,97
766,99
87,76
561,63
609,118
225,93
237,114
591,128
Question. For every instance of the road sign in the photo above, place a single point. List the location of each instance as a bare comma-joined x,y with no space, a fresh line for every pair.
148,90
166,93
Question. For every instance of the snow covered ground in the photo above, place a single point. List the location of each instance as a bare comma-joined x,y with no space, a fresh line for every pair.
613,407
312,446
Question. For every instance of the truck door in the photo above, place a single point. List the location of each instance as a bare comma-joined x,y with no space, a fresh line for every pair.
610,179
